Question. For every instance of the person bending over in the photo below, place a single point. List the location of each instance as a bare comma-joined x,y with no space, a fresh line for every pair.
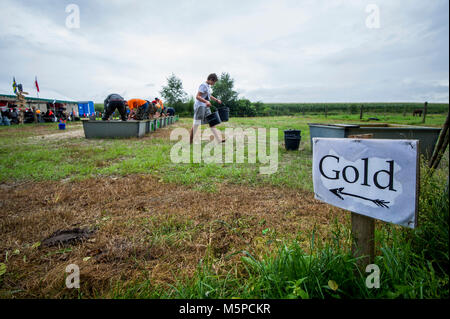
113,102
202,107
139,108
159,106
151,110
170,111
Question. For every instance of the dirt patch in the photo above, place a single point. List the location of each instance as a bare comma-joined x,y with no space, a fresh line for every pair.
163,132
144,228
72,133
48,133
36,130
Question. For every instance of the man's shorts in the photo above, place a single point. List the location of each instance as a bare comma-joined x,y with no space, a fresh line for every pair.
200,114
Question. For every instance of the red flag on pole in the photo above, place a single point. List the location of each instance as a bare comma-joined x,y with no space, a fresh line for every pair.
36,83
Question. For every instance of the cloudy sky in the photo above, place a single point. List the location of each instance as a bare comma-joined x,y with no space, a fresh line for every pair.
277,51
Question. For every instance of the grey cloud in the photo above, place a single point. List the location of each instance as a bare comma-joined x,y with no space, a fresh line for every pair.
277,51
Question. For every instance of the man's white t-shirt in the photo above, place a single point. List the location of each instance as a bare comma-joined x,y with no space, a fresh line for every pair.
205,92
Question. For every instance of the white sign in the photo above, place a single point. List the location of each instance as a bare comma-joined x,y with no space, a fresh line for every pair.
371,177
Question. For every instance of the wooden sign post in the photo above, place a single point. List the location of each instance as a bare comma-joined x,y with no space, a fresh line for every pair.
373,179
363,233
363,229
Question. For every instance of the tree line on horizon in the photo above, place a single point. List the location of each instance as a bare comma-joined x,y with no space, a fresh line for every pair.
174,96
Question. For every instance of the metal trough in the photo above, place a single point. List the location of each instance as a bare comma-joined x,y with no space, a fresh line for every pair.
115,129
150,126
427,136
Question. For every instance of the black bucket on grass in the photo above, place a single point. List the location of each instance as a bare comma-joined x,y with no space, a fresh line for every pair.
224,113
213,119
292,139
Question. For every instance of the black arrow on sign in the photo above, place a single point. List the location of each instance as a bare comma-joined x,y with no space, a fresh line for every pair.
339,193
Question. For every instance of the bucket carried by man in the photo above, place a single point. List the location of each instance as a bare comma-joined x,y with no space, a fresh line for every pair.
213,119
221,115
224,113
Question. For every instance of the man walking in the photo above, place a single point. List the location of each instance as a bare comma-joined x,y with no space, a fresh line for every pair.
202,107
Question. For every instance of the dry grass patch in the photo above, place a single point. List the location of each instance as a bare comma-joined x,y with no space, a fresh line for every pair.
142,229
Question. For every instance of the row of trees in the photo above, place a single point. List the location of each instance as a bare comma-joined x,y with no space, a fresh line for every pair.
174,95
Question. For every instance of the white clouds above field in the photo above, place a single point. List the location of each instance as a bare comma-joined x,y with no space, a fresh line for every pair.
277,51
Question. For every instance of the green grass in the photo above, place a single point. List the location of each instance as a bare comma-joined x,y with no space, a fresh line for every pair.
23,158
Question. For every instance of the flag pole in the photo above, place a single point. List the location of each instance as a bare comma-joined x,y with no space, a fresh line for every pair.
36,85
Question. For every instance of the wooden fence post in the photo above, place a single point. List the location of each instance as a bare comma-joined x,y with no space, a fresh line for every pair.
441,152
425,107
361,112
440,147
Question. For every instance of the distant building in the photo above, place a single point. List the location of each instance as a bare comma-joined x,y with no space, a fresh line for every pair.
42,104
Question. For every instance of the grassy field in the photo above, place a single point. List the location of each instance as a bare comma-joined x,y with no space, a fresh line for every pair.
165,230
40,154
354,108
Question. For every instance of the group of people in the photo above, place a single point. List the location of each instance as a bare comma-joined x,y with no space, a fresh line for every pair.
135,109
15,115
9,116
140,109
